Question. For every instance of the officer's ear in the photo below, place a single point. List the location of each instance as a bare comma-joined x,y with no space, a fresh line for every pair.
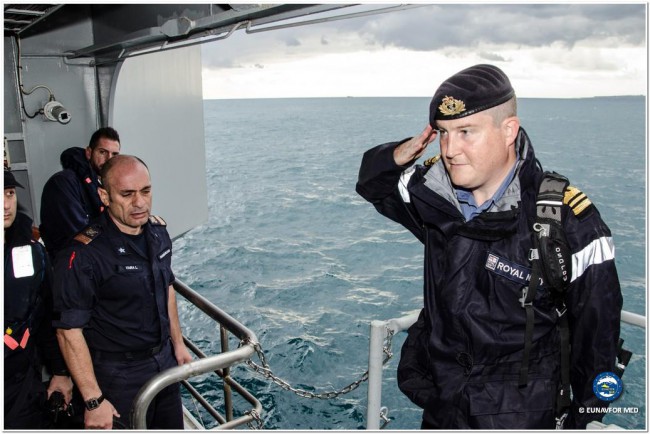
89,152
510,129
103,195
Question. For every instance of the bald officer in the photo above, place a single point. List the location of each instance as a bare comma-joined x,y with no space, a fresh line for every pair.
118,322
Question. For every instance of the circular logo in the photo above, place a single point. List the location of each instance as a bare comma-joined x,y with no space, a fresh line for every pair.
608,386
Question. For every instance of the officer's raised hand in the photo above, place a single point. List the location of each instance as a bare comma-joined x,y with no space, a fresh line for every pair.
414,148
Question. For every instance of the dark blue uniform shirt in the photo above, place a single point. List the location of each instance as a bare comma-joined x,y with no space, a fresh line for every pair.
117,293
69,201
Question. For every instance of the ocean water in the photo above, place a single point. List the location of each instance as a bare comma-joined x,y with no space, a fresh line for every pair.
298,257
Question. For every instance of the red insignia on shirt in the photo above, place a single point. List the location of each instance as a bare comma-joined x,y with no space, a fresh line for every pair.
71,259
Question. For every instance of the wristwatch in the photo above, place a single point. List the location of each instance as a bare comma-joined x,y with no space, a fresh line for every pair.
93,403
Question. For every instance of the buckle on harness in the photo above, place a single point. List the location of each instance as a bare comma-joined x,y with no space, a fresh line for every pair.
559,421
524,295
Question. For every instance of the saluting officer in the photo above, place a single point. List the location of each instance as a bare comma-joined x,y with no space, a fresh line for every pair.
118,323
29,338
483,355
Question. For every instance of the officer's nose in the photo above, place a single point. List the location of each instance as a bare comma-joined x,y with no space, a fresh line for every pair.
453,146
138,200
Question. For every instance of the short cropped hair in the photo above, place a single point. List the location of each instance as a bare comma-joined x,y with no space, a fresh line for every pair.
503,111
103,133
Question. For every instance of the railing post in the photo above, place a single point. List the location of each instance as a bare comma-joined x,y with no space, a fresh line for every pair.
227,392
375,373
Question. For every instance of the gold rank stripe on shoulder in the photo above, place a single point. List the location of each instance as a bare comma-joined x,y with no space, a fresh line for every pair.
157,220
82,238
577,200
431,161
87,235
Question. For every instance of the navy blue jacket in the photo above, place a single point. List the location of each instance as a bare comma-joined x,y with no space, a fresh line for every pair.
69,200
28,305
461,361
118,294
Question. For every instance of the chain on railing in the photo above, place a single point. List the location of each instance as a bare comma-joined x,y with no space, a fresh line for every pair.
265,371
258,424
383,415
198,412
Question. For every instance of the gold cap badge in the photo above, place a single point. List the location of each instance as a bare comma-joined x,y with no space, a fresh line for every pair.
451,106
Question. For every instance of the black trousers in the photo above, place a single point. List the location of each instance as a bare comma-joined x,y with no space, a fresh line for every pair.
427,425
25,397
120,382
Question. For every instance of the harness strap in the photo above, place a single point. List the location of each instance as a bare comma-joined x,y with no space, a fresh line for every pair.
551,197
528,295
548,205
622,359
563,401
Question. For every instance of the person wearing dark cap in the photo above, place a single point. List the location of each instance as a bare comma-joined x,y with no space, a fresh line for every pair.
483,353
29,338
115,306
70,199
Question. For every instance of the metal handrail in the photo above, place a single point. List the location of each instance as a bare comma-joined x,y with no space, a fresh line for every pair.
633,319
202,365
378,334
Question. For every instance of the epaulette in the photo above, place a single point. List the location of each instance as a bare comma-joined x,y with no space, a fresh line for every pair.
88,234
431,161
157,220
576,200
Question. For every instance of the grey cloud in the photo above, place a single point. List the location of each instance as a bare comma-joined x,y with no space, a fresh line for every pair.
492,57
445,28
442,26
292,42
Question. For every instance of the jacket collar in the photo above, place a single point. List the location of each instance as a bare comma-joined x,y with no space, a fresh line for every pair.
438,205
20,232
437,179
75,159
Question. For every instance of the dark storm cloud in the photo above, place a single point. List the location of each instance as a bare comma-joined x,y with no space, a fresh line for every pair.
449,26
444,26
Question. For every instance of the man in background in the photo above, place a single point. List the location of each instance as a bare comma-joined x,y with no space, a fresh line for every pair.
70,199
117,317
29,338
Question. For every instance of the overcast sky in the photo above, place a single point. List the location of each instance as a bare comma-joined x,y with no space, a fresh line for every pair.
547,50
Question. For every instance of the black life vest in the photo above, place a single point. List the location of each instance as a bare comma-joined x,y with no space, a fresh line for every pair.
23,295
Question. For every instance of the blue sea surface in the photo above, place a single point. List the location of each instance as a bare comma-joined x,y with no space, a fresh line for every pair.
292,251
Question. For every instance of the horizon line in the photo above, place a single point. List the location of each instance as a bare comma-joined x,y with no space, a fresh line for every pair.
381,96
